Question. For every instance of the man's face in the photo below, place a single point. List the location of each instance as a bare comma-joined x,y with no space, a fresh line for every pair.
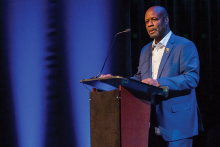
156,24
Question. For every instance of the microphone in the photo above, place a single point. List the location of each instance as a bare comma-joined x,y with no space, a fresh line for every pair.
125,31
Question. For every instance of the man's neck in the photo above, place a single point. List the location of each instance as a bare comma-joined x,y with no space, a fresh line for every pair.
157,40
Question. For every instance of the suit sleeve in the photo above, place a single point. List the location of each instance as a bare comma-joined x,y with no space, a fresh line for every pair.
137,76
188,67
144,67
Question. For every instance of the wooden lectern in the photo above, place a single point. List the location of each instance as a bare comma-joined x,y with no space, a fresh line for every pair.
120,113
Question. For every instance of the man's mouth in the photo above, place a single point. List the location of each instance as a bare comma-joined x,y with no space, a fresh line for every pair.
152,31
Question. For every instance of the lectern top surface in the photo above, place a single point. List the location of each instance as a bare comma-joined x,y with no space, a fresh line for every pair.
111,83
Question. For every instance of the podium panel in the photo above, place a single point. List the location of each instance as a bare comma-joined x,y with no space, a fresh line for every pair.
105,119
135,118
118,119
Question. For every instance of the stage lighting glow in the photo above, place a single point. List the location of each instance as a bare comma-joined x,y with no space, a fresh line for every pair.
26,34
88,39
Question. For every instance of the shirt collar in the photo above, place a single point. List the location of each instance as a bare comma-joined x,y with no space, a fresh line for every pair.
164,41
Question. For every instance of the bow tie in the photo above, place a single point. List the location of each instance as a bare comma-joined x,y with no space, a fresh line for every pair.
158,46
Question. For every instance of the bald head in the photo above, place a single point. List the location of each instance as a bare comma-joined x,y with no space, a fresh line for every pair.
157,22
160,10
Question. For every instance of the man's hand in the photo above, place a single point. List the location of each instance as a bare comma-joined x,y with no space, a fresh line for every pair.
104,76
151,82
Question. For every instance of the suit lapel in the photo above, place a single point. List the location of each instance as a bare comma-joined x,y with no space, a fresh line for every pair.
166,54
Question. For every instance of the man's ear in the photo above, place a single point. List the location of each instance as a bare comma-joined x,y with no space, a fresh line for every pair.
167,20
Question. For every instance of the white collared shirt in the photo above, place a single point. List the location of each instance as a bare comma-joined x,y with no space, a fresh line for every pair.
157,54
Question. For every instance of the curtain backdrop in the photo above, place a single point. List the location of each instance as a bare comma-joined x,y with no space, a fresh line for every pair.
47,46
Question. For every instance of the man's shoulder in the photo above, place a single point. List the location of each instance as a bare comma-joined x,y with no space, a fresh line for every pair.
147,47
182,43
181,40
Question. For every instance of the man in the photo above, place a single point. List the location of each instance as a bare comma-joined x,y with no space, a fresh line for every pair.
170,61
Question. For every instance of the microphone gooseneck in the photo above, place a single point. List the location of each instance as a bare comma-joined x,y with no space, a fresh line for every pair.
125,31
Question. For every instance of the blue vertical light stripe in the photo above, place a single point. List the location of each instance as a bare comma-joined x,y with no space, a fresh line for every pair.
26,39
88,31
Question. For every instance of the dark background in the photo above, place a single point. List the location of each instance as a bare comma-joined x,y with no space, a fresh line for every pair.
196,20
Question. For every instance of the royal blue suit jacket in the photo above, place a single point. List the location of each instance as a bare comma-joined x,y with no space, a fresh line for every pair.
177,115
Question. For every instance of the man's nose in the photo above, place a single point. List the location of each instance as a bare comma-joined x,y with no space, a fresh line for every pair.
150,23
